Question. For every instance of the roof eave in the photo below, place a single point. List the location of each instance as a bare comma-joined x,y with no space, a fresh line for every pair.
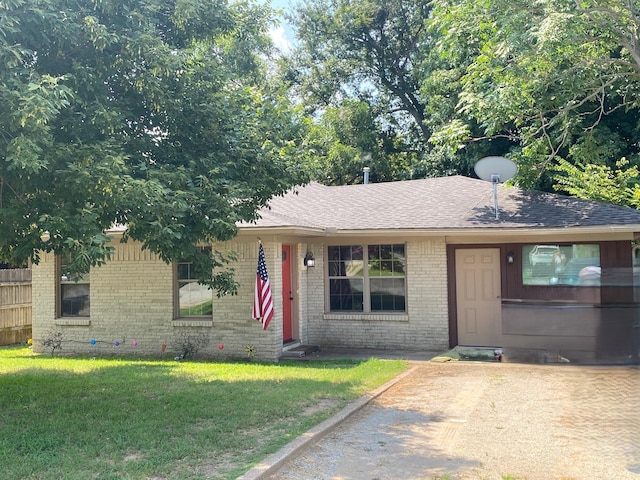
282,230
457,235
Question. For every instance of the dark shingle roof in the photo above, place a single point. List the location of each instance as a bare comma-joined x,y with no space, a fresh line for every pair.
436,204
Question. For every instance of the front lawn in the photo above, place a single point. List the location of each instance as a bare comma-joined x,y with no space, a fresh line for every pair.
157,419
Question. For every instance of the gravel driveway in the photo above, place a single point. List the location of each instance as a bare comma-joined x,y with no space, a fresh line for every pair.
465,420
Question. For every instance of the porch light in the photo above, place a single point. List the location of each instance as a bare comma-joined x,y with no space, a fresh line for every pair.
511,257
45,236
309,261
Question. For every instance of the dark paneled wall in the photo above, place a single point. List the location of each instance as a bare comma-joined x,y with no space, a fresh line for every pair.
616,288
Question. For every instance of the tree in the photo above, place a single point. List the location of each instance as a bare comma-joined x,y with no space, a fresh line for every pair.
600,182
553,76
365,49
345,139
154,114
377,57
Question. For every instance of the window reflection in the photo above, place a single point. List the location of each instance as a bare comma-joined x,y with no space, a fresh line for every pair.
552,264
193,298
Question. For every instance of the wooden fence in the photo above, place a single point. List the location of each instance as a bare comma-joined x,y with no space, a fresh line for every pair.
15,306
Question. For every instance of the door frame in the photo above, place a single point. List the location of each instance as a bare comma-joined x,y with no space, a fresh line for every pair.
292,273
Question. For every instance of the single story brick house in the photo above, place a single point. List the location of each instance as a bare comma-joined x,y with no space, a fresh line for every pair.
414,265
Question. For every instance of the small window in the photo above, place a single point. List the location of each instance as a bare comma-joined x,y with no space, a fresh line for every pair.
367,278
573,265
74,291
192,298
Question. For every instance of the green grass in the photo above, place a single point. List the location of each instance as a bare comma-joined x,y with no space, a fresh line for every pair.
139,419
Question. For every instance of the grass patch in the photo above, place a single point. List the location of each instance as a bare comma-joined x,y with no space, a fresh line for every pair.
139,419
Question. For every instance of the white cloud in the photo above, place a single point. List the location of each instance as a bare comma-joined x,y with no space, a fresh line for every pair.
280,40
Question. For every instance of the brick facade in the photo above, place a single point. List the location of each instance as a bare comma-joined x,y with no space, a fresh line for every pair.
132,303
423,327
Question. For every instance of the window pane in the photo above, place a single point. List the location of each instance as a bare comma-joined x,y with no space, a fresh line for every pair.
185,271
576,265
386,260
380,279
67,276
387,294
354,252
195,299
75,299
346,295
346,261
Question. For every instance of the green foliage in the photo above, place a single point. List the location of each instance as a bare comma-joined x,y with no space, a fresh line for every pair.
140,419
379,59
558,78
154,115
342,142
600,182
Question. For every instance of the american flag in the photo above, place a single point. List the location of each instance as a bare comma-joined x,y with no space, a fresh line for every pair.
262,301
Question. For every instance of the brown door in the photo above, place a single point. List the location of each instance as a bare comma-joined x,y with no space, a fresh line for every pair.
478,297
287,295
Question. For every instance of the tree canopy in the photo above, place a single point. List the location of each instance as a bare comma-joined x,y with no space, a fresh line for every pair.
445,83
164,116
153,114
559,78
376,58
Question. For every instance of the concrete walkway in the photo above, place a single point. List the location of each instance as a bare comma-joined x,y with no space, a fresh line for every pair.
468,420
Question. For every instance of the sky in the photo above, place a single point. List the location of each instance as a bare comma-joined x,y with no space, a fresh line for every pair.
282,36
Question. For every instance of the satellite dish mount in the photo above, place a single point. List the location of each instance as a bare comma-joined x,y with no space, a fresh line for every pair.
495,170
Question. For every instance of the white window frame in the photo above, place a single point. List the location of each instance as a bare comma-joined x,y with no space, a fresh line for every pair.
366,280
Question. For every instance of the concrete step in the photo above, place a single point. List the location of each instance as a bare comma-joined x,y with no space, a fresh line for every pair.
300,351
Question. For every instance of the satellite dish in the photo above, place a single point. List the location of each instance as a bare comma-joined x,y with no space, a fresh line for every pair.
495,170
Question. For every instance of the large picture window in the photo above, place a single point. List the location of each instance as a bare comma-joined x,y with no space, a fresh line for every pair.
192,298
367,278
74,291
574,265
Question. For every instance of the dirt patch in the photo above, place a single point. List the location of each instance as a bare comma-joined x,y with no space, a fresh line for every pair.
133,457
322,405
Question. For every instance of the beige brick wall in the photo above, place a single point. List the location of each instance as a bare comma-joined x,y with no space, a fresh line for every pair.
132,301
423,327
236,328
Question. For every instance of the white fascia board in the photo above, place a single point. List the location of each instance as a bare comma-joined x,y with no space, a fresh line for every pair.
290,231
496,235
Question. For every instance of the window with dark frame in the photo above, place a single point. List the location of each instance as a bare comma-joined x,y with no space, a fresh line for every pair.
367,278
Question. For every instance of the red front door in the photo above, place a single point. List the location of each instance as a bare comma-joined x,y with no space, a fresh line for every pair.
287,295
